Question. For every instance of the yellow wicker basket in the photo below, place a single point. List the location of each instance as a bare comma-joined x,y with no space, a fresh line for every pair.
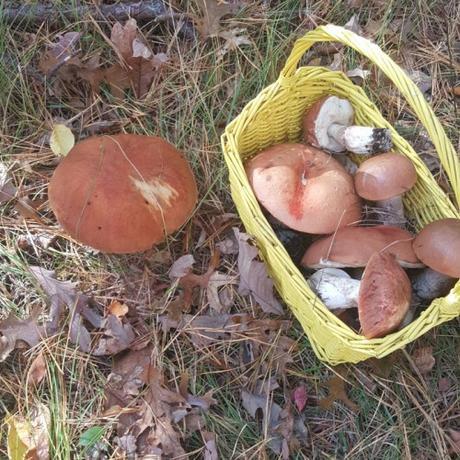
274,116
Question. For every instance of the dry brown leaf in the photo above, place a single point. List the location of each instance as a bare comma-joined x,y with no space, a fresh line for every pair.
211,280
213,11
456,90
62,294
117,309
233,40
337,392
15,330
299,397
421,79
61,53
28,438
254,278
139,64
7,189
37,370
277,423
117,336
423,359
210,448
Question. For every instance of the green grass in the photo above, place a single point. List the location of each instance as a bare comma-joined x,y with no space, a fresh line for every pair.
403,416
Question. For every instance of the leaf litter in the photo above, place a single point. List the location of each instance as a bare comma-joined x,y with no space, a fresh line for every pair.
136,70
154,425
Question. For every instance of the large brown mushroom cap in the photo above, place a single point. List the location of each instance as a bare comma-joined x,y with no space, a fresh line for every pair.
354,246
304,188
122,193
384,296
385,176
438,246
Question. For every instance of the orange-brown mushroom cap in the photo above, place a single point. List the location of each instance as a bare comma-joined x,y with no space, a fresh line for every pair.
122,193
384,296
354,246
304,188
385,176
438,246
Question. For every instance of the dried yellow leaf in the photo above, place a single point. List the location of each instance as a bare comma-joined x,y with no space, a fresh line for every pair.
62,140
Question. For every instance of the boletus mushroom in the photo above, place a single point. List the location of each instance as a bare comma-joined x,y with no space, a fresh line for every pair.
122,193
384,296
354,246
438,246
384,179
304,188
328,124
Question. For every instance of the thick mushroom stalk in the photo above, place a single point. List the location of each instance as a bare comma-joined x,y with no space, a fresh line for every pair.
361,140
328,124
335,288
384,179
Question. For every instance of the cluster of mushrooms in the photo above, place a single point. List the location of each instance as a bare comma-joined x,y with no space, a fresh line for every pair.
383,271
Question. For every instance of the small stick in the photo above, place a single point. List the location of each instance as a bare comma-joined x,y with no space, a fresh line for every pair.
143,10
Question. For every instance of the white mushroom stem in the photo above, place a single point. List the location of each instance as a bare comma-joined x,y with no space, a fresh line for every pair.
335,288
430,284
393,211
361,140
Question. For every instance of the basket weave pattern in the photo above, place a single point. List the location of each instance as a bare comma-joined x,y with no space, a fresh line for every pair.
274,116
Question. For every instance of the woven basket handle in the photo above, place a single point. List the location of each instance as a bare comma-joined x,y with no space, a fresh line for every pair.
332,33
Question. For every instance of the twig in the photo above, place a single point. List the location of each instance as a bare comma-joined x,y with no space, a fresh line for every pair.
143,10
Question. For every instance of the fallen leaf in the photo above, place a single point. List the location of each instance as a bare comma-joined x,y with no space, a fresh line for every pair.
254,278
40,240
358,75
16,330
353,25
123,36
272,420
117,309
213,11
421,79
233,40
337,392
456,90
220,301
210,448
60,53
91,436
37,370
299,397
139,64
117,336
181,267
423,359
28,437
7,189
62,140
63,294
211,280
